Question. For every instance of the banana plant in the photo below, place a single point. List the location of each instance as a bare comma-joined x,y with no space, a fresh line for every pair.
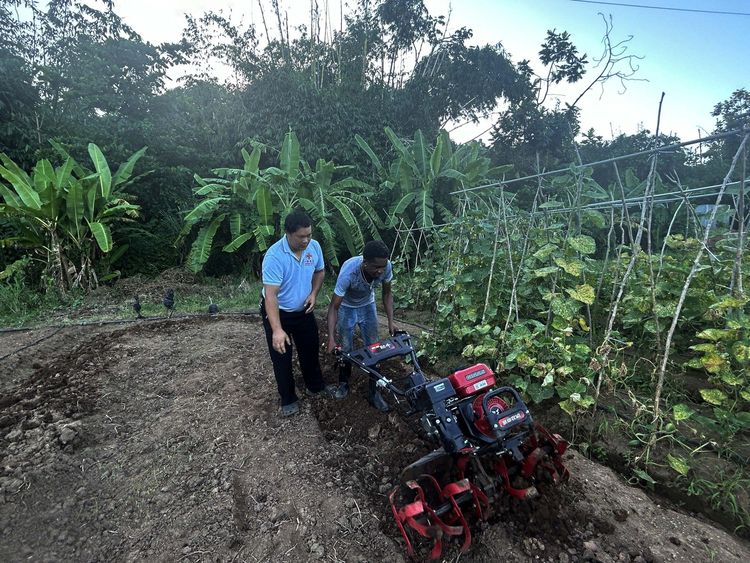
64,214
237,196
420,178
254,202
338,208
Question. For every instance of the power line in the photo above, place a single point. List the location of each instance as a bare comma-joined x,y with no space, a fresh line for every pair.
671,9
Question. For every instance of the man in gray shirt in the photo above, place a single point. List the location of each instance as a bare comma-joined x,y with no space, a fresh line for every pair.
353,305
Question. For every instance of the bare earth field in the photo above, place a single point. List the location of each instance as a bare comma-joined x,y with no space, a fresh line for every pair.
162,441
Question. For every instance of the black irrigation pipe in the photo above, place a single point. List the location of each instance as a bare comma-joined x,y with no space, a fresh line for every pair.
22,348
60,327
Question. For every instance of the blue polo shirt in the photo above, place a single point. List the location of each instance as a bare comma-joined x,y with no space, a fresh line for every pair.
294,277
354,288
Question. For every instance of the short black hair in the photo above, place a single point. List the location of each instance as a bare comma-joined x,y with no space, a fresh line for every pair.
375,249
295,220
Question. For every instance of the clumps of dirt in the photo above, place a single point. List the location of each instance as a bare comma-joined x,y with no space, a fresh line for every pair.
163,440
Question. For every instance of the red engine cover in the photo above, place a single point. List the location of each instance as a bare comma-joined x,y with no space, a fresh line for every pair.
471,380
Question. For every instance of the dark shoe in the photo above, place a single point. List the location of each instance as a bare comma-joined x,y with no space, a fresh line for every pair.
290,410
377,401
341,391
327,392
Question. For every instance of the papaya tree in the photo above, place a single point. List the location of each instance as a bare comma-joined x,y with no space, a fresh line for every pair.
254,202
64,215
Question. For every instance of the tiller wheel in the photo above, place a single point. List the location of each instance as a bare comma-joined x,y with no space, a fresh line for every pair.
489,446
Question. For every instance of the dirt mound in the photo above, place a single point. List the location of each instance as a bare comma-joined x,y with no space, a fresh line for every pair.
162,440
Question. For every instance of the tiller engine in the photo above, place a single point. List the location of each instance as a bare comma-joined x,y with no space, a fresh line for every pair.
489,446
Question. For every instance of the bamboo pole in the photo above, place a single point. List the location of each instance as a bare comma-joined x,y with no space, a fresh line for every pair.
737,289
605,348
686,286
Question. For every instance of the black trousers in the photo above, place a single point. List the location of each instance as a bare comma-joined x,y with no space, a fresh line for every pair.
303,330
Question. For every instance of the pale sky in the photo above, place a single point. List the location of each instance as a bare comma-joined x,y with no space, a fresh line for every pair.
697,59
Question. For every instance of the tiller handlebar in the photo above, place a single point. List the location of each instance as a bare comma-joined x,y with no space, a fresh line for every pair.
489,445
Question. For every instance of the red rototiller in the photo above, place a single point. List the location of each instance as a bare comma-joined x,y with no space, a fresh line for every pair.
489,446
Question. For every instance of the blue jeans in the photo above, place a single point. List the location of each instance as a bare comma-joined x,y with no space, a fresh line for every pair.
364,317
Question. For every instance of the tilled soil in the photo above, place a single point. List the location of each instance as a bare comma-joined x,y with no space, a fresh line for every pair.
162,441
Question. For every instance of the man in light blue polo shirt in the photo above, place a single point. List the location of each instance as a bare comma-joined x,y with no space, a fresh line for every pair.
293,272
353,304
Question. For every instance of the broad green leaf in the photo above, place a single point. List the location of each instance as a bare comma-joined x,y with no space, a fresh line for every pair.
421,158
583,244
235,224
23,188
743,418
424,209
238,242
730,302
62,174
14,168
264,204
127,209
716,334
745,394
593,218
74,206
732,379
544,252
403,152
126,168
102,235
644,476
682,412
11,199
713,396
262,233
565,308
204,208
741,352
573,267
705,347
373,157
102,168
537,393
571,387
694,363
544,272
583,293
201,249
678,464
290,157
44,179
209,189
399,208
713,363
90,201
251,160
665,309
437,155
568,406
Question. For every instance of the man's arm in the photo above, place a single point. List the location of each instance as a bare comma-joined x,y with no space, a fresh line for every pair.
280,338
388,306
333,317
317,283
